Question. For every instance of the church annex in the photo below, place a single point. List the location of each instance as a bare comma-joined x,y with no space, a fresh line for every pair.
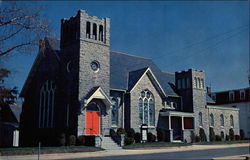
77,86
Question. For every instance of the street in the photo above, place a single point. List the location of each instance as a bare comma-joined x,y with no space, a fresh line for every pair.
235,151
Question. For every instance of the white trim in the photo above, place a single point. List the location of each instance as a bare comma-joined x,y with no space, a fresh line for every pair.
223,108
149,70
106,99
114,89
176,113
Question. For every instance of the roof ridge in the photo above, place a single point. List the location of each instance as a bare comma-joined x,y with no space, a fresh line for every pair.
130,55
168,72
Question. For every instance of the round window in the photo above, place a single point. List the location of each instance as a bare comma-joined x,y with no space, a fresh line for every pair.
95,66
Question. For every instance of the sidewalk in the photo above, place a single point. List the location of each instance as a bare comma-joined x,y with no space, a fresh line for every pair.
127,152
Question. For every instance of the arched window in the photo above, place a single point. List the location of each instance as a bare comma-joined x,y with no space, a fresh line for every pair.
211,119
94,31
195,83
221,120
146,108
202,83
88,30
46,106
200,119
231,121
101,33
199,83
114,111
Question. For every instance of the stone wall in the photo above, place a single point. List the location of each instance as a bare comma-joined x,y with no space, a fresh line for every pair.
144,83
226,112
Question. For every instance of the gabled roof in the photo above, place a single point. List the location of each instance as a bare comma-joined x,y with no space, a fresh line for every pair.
54,45
16,109
134,77
121,64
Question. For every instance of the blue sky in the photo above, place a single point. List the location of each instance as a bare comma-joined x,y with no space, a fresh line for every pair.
210,36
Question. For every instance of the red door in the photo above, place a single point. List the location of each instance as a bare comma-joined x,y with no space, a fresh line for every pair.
93,123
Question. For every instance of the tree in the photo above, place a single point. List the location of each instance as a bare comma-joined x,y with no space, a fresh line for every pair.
22,25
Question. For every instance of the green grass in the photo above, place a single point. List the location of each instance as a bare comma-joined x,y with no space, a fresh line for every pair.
154,145
169,144
47,150
223,142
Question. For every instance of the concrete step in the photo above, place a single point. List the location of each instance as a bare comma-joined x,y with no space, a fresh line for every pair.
108,144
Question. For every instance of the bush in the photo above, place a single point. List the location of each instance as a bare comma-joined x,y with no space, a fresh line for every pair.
112,132
202,135
153,138
129,140
227,137
217,138
160,134
231,134
242,134
137,137
222,135
80,141
211,134
192,137
62,139
121,131
131,133
197,138
237,137
72,140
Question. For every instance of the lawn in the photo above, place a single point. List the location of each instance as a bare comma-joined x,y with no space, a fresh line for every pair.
46,150
155,145
169,144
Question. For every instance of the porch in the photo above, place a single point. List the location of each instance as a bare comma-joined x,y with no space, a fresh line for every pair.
178,125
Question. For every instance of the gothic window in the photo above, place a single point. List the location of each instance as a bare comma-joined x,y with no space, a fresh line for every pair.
183,83
146,108
199,83
195,83
231,121
202,83
188,83
221,120
94,31
114,111
200,119
46,106
211,119
88,30
101,33
179,83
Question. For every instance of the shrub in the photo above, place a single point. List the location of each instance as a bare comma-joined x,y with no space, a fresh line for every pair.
137,137
211,134
121,131
153,138
112,132
202,135
237,137
62,139
131,133
222,135
192,136
160,134
80,141
72,140
242,134
231,134
197,138
217,138
129,140
227,137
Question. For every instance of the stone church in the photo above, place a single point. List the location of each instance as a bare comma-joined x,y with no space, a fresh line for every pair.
77,86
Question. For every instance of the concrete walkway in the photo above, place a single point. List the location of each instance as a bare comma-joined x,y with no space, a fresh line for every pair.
128,152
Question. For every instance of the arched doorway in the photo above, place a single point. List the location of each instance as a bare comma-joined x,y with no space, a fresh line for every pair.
93,119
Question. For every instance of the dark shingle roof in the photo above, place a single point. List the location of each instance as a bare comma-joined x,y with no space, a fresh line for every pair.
134,76
121,64
209,99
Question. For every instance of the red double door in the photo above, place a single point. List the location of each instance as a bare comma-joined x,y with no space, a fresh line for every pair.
92,123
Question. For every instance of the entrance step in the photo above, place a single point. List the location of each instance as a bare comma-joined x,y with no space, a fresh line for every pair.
177,141
109,144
